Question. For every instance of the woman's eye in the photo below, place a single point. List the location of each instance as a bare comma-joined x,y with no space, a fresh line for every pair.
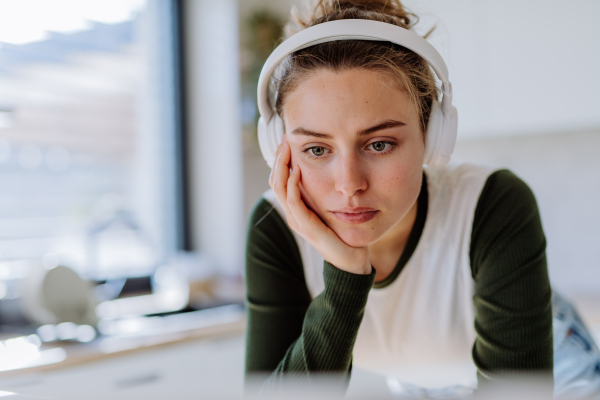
379,146
318,151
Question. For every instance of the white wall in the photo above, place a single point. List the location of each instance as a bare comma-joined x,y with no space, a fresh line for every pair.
519,66
214,125
563,171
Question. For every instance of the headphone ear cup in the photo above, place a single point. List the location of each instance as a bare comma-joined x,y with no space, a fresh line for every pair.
434,134
276,125
269,137
449,137
441,135
263,142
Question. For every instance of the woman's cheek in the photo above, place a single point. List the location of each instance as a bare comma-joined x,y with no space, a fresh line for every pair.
397,180
398,184
387,174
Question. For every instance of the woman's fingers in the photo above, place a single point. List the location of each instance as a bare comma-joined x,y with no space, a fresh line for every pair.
319,235
305,222
280,149
280,176
294,199
283,172
274,168
306,219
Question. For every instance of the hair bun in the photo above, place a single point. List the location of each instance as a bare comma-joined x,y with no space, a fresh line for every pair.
381,6
390,11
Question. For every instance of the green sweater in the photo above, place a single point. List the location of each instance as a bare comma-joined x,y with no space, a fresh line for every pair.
290,334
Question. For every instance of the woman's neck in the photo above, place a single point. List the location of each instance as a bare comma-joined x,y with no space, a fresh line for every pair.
385,253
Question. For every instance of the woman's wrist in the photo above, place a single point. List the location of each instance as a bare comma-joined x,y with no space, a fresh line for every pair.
337,276
364,268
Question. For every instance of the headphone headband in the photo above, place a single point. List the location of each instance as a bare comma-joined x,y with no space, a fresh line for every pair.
351,29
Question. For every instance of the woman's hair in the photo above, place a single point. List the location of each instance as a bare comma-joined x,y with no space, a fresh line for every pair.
407,69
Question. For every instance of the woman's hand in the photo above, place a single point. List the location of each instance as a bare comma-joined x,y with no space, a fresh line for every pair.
306,223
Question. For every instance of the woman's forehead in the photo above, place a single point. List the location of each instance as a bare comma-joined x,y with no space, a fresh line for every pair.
351,100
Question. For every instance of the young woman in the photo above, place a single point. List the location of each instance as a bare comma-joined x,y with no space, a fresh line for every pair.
362,256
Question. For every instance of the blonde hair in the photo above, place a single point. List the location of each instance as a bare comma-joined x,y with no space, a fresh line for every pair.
407,69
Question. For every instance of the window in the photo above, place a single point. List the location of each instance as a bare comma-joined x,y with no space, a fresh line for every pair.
90,139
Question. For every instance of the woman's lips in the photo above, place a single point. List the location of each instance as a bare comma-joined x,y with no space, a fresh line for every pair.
357,215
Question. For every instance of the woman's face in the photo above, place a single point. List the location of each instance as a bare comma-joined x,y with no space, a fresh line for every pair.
357,140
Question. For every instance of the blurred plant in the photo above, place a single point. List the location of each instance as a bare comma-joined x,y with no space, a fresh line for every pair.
264,31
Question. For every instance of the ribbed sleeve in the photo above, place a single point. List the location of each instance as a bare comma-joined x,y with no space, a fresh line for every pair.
512,298
291,336
332,320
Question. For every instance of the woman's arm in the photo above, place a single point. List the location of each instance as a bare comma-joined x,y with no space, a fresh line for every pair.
288,334
512,290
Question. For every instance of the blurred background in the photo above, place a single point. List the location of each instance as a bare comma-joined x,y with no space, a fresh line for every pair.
129,164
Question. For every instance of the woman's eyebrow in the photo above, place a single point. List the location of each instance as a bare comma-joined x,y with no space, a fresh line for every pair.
384,125
306,132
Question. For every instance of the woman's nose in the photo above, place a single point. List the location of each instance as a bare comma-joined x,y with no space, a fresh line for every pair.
350,178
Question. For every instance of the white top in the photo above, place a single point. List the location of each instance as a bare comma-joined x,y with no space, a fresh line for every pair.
420,328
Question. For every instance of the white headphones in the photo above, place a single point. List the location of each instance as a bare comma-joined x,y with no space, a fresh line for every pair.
443,121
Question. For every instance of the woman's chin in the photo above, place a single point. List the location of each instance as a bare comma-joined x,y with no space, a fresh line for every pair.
357,237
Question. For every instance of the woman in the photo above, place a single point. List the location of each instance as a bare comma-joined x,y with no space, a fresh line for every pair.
435,276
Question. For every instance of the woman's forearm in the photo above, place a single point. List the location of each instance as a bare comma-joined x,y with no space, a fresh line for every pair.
289,333
329,332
